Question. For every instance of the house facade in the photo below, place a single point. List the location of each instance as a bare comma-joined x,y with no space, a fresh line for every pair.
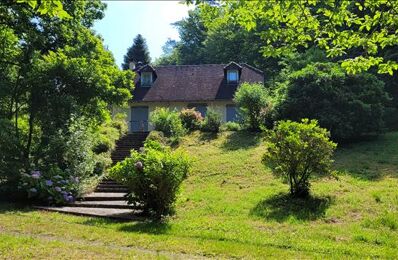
188,86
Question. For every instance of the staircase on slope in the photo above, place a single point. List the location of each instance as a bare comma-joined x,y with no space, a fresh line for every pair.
125,144
108,199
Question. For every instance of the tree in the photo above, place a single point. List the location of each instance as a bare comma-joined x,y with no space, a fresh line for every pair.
54,69
349,106
359,32
138,52
295,151
253,101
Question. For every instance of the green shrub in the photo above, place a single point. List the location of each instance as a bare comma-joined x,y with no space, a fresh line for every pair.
254,105
231,126
212,122
295,151
10,159
168,122
153,177
156,136
347,105
191,119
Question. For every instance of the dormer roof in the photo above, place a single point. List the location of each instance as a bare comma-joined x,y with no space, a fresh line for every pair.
232,65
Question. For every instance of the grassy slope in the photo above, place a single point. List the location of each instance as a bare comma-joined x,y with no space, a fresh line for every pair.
231,206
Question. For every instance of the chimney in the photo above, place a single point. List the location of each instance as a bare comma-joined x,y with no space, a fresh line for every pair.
132,65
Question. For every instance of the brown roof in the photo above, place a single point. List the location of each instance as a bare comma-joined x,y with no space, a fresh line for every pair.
205,82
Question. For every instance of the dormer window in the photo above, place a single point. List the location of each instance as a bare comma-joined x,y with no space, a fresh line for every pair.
232,76
146,79
232,72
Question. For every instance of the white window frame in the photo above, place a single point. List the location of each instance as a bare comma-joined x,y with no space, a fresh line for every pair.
230,72
146,84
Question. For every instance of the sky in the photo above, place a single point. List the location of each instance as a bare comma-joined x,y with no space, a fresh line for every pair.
125,19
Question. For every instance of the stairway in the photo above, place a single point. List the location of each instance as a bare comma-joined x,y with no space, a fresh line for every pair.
125,144
108,199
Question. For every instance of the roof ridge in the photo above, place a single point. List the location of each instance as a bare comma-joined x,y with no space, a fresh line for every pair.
188,65
212,64
253,68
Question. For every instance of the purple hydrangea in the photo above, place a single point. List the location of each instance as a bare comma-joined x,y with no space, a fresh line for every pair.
36,174
58,189
139,166
49,183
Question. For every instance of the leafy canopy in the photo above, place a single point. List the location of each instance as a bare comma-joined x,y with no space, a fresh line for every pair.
358,32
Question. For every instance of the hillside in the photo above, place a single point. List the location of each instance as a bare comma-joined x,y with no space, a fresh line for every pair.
231,206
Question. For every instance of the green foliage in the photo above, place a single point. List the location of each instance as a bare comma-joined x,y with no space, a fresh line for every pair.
138,52
53,186
168,122
358,32
54,70
153,177
191,119
231,126
156,136
10,164
212,122
295,151
48,7
347,105
254,104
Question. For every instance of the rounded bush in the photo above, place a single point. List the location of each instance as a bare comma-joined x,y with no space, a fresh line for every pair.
168,122
212,122
191,119
295,151
153,177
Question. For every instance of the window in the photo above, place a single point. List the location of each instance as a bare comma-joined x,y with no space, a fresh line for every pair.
232,115
232,76
202,108
146,78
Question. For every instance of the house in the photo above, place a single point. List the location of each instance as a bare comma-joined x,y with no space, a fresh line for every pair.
188,86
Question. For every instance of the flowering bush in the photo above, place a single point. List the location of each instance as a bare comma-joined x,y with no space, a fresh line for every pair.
191,119
153,177
53,186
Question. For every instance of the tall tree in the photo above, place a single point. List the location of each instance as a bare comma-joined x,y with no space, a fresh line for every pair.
52,68
138,52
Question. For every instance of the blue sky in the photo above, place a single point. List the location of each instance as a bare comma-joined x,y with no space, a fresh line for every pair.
125,19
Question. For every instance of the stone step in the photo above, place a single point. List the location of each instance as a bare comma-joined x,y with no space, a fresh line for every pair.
106,185
115,204
98,196
98,189
120,214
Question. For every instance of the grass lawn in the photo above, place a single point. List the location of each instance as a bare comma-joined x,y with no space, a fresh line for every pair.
231,206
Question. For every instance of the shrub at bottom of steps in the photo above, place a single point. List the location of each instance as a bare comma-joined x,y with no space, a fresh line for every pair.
153,177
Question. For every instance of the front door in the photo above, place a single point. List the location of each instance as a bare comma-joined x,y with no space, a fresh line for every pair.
139,119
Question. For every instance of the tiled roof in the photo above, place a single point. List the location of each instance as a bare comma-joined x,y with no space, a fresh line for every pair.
205,82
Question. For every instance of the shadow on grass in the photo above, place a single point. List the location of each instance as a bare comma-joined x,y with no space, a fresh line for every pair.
370,159
242,140
282,206
207,136
147,227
